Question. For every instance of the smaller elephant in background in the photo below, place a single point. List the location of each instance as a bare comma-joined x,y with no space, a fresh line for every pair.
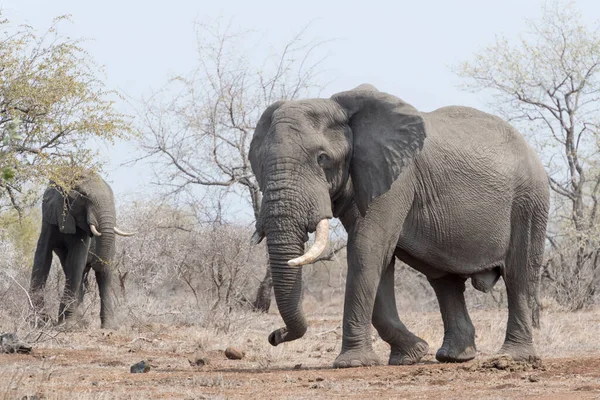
79,226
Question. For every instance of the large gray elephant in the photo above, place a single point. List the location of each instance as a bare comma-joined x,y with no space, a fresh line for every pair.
455,193
80,228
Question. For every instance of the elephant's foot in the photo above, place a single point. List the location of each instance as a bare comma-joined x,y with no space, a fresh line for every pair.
111,325
403,355
71,318
519,351
356,358
109,322
455,351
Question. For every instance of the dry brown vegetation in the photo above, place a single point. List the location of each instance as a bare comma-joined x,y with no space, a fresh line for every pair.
94,364
185,293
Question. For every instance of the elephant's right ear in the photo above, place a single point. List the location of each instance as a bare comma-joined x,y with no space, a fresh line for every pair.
55,211
256,145
386,135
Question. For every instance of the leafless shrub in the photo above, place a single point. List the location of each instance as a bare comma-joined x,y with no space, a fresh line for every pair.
176,270
571,274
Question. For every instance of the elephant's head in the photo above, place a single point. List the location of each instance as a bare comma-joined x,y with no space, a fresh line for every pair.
90,206
314,157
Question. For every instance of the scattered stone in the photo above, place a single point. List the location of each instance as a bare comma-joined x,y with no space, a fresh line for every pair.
198,360
32,397
319,379
533,378
140,367
10,343
298,366
233,353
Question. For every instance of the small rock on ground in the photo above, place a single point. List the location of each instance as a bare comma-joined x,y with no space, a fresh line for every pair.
140,367
198,360
10,343
233,353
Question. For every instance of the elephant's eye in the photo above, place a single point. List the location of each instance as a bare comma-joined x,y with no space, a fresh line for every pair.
323,160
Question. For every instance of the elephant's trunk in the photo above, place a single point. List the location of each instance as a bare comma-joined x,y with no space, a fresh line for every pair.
105,215
287,284
293,204
283,218
105,244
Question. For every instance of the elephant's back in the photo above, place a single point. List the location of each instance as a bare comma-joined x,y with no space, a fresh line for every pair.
473,125
477,136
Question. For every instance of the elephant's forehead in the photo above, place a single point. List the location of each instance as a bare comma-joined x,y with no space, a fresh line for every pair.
309,113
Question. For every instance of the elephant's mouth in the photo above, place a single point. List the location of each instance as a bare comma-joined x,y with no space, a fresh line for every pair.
313,253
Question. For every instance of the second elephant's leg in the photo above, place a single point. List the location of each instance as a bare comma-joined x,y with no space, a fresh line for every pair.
74,265
406,348
107,296
459,332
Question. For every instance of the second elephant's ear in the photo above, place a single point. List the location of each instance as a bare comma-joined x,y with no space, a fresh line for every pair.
386,135
256,145
56,210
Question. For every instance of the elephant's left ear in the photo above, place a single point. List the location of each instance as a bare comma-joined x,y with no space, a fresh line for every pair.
56,210
386,134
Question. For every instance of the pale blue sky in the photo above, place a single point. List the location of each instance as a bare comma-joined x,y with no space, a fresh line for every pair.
401,47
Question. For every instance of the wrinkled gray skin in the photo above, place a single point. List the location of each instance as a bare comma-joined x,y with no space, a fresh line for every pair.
455,193
68,234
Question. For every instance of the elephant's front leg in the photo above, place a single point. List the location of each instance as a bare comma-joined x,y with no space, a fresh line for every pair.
406,348
41,268
74,266
371,247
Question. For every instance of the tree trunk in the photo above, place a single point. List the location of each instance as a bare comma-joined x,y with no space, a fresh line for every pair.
262,303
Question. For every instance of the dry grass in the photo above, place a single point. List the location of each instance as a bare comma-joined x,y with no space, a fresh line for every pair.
94,363
168,313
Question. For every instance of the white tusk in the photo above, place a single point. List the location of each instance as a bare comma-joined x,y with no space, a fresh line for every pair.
95,231
121,233
256,238
321,238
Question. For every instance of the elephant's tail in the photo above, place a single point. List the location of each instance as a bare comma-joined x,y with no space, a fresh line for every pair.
534,266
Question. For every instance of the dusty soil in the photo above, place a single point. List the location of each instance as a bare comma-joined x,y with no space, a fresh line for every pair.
95,364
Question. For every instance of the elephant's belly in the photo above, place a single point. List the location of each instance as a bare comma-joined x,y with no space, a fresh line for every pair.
459,246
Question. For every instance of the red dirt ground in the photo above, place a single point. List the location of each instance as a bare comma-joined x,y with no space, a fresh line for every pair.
94,373
94,363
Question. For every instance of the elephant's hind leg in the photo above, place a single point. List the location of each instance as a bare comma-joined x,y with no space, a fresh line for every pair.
521,278
406,348
459,332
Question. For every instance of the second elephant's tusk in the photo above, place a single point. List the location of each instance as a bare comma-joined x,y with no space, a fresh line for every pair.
95,231
256,238
121,233
321,238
